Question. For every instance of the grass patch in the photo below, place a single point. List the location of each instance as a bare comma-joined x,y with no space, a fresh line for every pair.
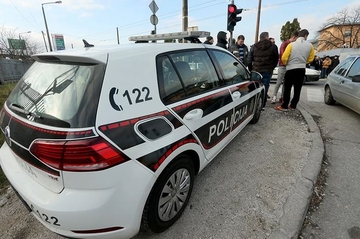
5,91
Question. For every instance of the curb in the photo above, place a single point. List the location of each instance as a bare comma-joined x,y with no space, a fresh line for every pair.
296,205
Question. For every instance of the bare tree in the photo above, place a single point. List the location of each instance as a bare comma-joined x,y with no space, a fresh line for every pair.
31,47
341,30
5,34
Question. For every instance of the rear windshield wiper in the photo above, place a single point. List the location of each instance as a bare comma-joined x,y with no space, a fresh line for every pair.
21,109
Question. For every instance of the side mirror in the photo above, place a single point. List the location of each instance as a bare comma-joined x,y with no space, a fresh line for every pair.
256,75
356,78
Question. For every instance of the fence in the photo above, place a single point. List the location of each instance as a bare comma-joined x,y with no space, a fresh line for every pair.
12,70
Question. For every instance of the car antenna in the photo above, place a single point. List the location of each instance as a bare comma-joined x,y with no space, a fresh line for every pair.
86,44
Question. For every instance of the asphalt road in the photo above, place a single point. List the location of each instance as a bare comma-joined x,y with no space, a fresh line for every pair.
339,213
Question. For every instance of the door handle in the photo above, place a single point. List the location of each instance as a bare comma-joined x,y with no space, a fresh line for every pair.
194,114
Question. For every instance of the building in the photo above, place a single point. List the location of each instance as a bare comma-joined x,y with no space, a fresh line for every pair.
339,36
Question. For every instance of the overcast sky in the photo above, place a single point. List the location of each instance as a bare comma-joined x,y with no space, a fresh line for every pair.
97,21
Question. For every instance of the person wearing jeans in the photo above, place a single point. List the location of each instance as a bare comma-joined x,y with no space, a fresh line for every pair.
282,68
263,58
297,54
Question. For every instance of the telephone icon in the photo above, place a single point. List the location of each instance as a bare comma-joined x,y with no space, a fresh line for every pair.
114,91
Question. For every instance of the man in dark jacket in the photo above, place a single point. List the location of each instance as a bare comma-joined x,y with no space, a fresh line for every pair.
221,39
263,58
240,50
209,40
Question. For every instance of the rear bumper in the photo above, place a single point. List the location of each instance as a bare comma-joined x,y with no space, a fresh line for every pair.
118,204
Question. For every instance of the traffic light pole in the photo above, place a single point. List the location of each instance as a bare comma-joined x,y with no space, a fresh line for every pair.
231,33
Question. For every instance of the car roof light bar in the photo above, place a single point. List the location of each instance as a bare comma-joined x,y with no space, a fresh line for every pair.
173,35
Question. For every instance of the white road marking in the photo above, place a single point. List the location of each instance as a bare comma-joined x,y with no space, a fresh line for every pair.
315,95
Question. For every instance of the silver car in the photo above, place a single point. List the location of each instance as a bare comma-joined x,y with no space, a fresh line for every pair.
343,84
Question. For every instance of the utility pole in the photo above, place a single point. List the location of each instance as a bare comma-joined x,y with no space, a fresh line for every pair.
118,37
185,15
258,23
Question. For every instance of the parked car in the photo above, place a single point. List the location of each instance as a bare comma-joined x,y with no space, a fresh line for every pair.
310,75
343,84
104,140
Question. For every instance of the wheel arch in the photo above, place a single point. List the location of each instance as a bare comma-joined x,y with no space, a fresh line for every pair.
194,158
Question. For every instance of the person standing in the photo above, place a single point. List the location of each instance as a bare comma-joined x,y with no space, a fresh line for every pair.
240,50
209,40
296,55
221,40
325,67
263,58
282,68
334,62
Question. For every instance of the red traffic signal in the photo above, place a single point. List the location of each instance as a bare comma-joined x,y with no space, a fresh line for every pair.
232,16
231,8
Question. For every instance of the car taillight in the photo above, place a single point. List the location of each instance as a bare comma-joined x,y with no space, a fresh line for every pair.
78,155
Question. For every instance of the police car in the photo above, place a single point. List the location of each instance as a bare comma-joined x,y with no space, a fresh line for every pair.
103,141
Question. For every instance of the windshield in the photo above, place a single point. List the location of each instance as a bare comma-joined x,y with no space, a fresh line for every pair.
62,95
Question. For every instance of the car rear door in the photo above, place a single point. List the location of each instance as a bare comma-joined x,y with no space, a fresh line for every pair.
192,91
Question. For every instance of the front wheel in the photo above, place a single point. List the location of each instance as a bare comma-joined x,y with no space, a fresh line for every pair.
257,111
328,97
169,195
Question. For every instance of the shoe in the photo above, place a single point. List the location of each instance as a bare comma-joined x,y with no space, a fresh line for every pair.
290,108
273,101
267,96
280,108
281,100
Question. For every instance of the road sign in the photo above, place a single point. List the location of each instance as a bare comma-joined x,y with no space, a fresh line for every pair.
153,7
154,19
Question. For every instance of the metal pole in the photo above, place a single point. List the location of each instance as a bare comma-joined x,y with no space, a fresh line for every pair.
44,40
258,23
46,27
117,32
185,15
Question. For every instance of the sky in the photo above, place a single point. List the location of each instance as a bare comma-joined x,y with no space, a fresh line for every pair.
99,21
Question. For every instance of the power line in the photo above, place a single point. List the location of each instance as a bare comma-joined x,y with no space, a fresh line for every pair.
22,14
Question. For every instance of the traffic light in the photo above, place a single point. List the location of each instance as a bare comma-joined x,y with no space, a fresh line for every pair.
232,16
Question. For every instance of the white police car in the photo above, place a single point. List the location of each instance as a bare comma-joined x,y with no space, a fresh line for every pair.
102,141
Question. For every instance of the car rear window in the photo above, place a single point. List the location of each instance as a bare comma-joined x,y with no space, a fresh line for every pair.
59,94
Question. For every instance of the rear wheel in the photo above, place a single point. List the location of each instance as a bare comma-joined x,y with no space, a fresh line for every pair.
328,97
169,195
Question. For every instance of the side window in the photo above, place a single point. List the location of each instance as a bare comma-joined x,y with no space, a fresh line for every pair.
196,71
342,68
170,86
233,71
355,69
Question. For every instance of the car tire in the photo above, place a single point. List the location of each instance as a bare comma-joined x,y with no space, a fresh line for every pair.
305,79
165,195
328,97
257,110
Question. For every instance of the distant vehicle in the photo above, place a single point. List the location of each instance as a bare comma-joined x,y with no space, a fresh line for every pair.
103,140
343,84
310,75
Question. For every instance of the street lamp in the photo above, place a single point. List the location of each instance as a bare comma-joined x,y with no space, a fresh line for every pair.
47,30
24,42
23,33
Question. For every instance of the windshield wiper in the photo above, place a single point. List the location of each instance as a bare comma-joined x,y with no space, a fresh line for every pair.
21,109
